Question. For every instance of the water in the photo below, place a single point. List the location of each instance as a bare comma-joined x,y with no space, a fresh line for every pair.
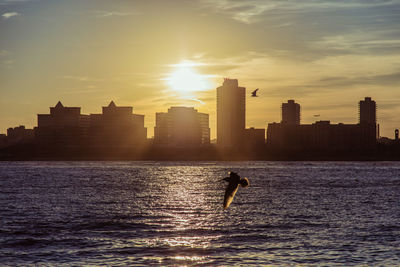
148,213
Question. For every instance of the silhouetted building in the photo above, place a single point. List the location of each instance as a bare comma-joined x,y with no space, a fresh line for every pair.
19,135
205,127
386,141
117,127
231,112
3,140
367,111
321,135
254,138
181,127
290,112
63,127
396,135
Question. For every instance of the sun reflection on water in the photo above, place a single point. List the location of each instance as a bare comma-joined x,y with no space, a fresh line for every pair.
185,215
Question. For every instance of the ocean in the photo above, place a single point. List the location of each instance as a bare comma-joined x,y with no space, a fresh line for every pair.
171,213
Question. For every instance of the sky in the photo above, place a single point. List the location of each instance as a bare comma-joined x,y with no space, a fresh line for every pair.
327,55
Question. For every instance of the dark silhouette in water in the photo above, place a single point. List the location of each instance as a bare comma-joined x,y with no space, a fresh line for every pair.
254,93
234,181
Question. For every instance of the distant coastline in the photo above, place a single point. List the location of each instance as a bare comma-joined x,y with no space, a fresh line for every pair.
211,152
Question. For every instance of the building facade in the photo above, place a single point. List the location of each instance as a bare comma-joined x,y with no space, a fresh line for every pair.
367,110
231,114
3,140
63,127
117,127
321,135
181,127
367,118
19,135
205,127
324,136
254,138
291,112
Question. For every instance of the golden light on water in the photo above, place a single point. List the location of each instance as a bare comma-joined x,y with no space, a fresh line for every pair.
186,212
185,79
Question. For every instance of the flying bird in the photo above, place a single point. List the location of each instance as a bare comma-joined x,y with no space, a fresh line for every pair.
234,182
254,93
317,115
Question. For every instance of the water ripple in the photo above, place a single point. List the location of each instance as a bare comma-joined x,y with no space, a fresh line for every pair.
170,213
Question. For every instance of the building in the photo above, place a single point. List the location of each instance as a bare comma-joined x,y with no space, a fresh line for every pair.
319,136
367,111
291,112
231,112
367,118
19,135
3,140
117,127
182,127
254,138
205,127
63,127
324,136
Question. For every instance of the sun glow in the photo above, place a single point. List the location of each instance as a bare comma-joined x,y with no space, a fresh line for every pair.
184,79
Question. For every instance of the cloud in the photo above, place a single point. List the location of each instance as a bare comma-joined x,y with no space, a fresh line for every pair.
5,60
252,11
107,14
383,80
79,90
9,15
4,53
81,78
76,78
373,41
11,2
312,29
280,77
7,64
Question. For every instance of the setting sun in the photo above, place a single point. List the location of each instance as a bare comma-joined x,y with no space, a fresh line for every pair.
185,79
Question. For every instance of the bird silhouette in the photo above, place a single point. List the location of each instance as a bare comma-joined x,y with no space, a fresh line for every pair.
254,93
234,182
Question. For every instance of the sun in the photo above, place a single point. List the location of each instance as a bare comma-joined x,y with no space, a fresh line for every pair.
185,79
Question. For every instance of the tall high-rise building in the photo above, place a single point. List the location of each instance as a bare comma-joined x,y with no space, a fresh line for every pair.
205,127
370,129
231,114
181,127
290,112
367,111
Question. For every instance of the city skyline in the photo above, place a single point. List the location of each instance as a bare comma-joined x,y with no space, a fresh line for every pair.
171,53
173,127
184,133
181,115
